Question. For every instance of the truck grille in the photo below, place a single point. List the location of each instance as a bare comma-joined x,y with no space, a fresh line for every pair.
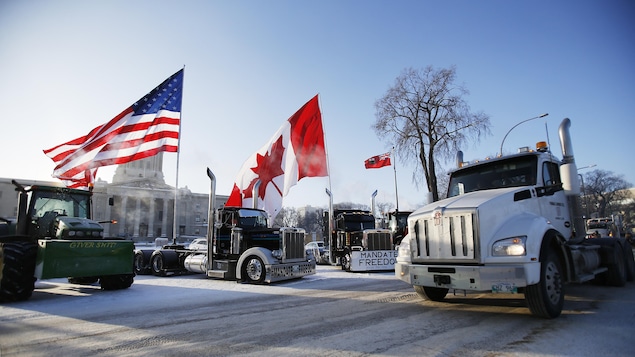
445,236
293,243
378,240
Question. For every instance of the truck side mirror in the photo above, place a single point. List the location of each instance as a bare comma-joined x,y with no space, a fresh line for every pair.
111,201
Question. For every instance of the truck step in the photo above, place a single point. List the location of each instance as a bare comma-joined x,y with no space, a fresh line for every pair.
216,274
588,277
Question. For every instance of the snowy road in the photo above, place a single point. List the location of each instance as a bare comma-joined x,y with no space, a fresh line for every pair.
332,313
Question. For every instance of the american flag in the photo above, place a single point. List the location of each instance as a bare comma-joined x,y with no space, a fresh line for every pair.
147,127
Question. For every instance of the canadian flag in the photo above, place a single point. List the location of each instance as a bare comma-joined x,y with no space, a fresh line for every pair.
295,151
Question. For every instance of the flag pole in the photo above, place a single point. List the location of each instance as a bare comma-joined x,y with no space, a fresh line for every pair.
176,184
327,235
394,166
326,152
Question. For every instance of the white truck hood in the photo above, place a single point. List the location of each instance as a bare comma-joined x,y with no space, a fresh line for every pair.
472,200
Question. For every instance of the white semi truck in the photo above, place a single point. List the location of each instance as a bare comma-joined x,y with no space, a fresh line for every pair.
511,224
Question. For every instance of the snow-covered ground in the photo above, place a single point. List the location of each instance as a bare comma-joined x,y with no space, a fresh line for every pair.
331,313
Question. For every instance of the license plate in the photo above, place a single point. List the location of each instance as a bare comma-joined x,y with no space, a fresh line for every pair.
504,288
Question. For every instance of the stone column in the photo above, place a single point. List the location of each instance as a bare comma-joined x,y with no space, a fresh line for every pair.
151,215
137,218
164,227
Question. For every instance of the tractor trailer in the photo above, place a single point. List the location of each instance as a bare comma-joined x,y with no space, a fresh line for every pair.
511,224
356,244
240,246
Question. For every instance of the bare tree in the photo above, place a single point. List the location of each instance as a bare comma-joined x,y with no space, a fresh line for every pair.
426,118
312,223
606,191
287,217
384,207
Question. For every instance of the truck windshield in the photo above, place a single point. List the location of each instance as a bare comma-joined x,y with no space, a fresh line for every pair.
60,203
252,218
595,225
355,222
512,172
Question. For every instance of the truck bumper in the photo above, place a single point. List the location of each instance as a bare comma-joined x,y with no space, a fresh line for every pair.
278,272
493,278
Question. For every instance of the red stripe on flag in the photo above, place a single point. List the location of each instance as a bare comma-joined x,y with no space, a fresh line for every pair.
307,138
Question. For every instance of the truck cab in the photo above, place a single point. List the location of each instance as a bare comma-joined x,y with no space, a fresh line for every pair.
357,243
510,224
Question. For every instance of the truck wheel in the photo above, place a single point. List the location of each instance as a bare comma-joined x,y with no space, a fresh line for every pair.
431,293
142,262
254,270
346,262
546,298
629,260
18,270
116,282
157,264
617,266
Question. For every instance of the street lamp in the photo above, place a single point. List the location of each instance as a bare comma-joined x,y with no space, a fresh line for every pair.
526,120
587,167
586,202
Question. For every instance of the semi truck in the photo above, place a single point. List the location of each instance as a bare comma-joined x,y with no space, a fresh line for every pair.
511,224
53,236
241,246
604,227
356,244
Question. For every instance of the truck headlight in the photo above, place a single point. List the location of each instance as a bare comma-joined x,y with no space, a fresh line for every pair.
276,253
403,253
514,246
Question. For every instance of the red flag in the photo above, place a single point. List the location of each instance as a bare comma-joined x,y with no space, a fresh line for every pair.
295,151
378,161
149,126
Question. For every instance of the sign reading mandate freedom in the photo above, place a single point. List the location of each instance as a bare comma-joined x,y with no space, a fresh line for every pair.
373,260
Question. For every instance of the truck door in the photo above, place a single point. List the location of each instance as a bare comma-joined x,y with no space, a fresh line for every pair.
553,202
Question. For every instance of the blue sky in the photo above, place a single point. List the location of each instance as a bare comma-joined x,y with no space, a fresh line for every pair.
68,66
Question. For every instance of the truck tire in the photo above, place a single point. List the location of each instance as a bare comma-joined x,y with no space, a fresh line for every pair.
546,298
18,271
628,259
116,282
253,270
157,264
142,262
346,261
616,275
431,293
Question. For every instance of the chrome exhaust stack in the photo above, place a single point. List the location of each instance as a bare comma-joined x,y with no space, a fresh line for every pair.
570,181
